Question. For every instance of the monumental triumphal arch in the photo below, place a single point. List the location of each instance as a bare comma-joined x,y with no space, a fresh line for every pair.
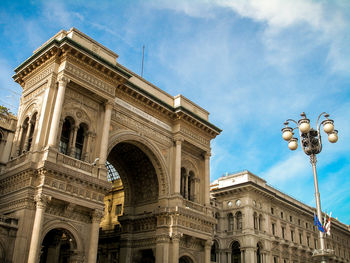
80,110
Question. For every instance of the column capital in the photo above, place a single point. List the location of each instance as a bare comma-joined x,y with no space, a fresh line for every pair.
109,104
96,216
163,238
178,139
176,237
62,80
42,200
207,155
208,243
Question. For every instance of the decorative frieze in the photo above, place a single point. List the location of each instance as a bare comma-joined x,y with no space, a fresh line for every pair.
81,99
90,79
143,114
139,127
35,93
195,136
37,78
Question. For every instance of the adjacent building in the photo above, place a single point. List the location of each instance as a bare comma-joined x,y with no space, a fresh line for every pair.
258,223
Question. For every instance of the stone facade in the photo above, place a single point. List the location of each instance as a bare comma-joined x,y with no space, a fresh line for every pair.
81,110
258,223
102,165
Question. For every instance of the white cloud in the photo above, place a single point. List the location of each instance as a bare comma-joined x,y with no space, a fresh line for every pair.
296,166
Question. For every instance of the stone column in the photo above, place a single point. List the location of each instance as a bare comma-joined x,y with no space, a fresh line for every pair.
17,141
95,224
223,258
73,141
35,132
62,83
186,186
229,257
207,248
162,248
41,202
177,177
105,133
207,179
175,248
250,255
86,149
26,139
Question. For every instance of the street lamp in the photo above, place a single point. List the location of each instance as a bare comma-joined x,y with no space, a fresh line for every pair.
311,144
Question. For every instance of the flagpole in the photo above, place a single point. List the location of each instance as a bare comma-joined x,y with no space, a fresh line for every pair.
313,161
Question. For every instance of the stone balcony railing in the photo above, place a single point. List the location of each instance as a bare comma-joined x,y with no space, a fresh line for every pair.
65,159
197,207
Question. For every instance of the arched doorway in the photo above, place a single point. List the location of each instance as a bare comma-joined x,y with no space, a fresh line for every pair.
58,246
137,173
236,252
185,259
136,168
258,253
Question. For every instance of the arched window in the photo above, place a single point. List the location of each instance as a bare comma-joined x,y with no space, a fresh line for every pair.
258,255
65,135
255,218
183,182
236,253
31,128
23,135
191,186
239,220
214,252
230,222
79,142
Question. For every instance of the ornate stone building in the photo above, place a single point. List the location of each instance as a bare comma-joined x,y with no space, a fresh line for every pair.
258,223
102,165
81,115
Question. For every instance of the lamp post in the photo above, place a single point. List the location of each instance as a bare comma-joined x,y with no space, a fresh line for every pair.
311,144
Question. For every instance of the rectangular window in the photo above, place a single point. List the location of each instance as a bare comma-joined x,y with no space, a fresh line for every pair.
300,239
281,214
299,222
290,218
315,243
273,229
272,210
275,260
308,241
118,210
283,229
292,235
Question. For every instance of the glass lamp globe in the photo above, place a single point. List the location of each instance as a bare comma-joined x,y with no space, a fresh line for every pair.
293,144
333,137
304,125
287,133
328,126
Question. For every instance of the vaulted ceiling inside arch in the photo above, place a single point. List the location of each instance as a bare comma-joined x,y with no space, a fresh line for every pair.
137,173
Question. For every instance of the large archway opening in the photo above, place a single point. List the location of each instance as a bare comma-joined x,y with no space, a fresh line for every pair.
134,171
58,246
236,252
137,173
185,259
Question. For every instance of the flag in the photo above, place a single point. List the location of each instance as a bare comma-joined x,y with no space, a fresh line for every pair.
318,223
328,225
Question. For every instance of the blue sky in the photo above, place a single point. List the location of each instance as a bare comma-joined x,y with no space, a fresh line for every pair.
252,64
